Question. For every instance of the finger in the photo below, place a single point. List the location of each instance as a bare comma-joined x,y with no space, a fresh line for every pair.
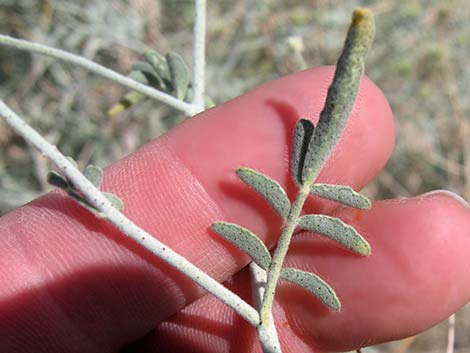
73,278
416,276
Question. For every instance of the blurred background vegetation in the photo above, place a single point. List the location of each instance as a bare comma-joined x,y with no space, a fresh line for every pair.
419,59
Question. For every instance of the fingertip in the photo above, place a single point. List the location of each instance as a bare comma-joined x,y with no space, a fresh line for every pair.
416,276
448,196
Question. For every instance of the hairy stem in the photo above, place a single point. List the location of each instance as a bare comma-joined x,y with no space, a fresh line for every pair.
199,55
340,99
99,201
280,253
451,335
267,335
78,60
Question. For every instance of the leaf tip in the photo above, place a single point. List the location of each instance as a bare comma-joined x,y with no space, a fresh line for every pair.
363,21
364,249
216,225
242,171
367,205
361,14
335,305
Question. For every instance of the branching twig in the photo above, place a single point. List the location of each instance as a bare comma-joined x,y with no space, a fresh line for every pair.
96,198
77,60
199,55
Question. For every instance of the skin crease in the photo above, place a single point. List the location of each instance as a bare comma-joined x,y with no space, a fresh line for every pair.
72,283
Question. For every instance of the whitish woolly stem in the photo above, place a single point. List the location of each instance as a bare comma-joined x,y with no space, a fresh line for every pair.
267,335
199,55
339,101
96,198
451,335
279,255
78,60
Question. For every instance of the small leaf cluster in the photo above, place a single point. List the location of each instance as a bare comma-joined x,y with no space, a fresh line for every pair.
95,175
311,148
167,73
327,226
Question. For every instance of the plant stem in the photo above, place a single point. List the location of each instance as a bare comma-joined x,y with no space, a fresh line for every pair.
267,335
99,201
451,335
199,55
78,60
280,253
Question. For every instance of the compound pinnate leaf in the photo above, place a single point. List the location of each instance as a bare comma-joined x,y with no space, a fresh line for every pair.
314,284
343,194
246,241
268,188
94,174
337,230
179,73
303,133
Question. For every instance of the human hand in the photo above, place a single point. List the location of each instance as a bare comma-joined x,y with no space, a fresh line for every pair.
73,283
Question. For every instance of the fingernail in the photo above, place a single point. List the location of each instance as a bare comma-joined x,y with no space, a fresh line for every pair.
450,194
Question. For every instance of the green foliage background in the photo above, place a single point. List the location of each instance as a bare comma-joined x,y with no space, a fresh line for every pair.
419,59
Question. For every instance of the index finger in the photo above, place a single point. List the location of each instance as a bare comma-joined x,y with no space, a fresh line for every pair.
75,283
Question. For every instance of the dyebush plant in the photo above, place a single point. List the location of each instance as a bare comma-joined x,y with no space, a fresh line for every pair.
167,79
